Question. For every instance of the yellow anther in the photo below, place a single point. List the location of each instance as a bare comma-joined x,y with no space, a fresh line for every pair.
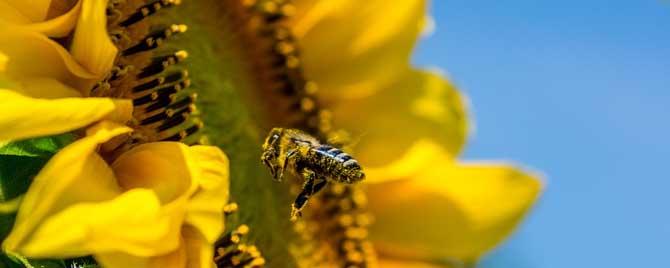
356,233
181,54
235,239
364,219
292,62
288,10
257,262
307,104
270,7
355,257
348,245
242,229
248,3
230,208
187,83
179,28
345,220
311,88
285,48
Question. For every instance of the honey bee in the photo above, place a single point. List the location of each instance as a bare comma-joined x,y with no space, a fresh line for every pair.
303,155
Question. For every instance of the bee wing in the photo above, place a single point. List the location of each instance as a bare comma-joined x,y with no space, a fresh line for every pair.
343,139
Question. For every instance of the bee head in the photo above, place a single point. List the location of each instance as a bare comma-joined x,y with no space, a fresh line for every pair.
270,156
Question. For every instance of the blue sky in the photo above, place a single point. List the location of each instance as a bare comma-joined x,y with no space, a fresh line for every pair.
581,91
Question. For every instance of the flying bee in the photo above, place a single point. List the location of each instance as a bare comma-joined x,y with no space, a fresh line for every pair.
303,155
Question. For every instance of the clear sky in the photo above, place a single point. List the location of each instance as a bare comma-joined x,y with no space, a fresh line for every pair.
581,91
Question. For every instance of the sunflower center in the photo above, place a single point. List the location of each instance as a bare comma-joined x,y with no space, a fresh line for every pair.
245,66
154,77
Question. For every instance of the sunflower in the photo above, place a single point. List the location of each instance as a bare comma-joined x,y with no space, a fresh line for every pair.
146,79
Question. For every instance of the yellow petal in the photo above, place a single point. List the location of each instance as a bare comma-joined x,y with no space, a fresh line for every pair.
206,205
59,26
421,155
193,252
174,170
352,47
172,259
9,15
450,210
91,45
65,180
199,252
46,88
160,166
419,105
34,10
88,227
3,61
33,55
32,117
394,263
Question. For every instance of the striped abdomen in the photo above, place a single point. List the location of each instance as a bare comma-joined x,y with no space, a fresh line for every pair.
335,164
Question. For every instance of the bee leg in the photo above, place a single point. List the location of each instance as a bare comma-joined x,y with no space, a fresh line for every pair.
320,183
308,188
289,155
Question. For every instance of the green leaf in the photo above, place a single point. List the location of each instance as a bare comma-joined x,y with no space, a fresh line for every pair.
16,174
7,262
18,262
47,263
38,147
20,162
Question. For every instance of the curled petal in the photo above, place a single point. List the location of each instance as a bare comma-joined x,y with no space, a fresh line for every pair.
60,25
46,88
193,252
32,11
450,210
161,166
176,171
356,48
91,45
418,105
32,117
32,55
199,251
107,226
175,258
64,181
206,205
